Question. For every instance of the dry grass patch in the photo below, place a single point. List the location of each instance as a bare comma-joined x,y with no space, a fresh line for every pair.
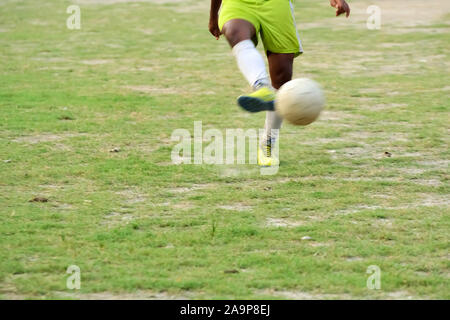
137,295
395,15
114,219
301,295
282,222
132,196
236,207
95,62
436,164
191,188
421,200
183,205
46,137
154,90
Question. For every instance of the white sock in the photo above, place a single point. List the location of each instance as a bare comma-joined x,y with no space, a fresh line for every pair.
252,66
251,63
272,127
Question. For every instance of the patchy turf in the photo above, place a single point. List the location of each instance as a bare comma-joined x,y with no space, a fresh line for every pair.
87,117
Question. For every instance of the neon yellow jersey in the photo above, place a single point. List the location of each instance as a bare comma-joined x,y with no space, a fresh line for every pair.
273,20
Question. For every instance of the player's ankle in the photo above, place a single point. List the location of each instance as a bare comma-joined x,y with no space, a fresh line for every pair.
268,141
264,82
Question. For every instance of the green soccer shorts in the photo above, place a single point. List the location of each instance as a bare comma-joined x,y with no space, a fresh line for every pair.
272,19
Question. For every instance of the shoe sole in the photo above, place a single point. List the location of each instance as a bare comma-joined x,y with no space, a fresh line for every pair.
252,104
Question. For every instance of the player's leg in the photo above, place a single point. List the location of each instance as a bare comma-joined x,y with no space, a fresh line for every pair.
239,34
263,96
239,22
282,43
280,69
279,35
237,30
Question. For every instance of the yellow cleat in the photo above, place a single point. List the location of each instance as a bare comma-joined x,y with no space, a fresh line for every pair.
265,158
260,100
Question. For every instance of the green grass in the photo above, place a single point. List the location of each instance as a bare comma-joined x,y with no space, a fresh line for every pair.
137,224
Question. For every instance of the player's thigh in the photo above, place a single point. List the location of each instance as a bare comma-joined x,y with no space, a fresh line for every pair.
278,28
237,30
280,67
238,20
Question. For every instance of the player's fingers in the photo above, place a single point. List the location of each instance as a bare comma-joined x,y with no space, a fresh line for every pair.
214,32
347,10
217,33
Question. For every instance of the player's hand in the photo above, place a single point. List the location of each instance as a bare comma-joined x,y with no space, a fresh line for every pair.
214,28
341,7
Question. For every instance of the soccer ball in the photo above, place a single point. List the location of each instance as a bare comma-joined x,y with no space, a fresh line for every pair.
300,101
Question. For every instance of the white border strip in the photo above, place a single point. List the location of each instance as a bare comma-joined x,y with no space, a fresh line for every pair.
295,26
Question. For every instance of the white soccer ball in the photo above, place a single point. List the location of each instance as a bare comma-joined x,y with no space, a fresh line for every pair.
300,101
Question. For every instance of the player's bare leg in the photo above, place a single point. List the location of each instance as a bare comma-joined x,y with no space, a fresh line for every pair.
280,69
238,30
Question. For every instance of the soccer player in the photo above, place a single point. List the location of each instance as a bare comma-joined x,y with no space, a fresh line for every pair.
240,21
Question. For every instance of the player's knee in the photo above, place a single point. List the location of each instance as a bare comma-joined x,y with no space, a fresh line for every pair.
235,35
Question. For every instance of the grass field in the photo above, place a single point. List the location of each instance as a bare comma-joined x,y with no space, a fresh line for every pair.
139,226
